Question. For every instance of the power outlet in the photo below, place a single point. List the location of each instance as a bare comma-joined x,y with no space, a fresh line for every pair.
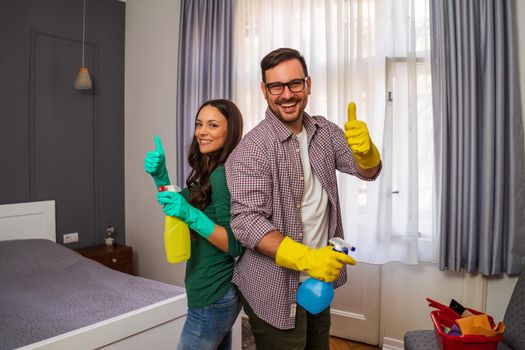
70,237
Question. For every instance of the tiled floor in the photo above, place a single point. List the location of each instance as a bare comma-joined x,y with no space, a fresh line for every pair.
335,343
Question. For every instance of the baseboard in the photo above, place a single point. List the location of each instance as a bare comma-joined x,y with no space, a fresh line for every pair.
347,314
392,344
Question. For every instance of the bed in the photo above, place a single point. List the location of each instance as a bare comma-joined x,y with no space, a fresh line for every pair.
53,309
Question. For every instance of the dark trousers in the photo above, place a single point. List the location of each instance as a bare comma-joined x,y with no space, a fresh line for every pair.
311,331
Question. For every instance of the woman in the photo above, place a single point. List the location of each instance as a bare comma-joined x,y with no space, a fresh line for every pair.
204,205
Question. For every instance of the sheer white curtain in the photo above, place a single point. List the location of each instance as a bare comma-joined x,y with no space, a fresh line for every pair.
375,53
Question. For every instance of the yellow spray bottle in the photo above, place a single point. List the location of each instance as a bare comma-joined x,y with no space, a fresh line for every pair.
176,235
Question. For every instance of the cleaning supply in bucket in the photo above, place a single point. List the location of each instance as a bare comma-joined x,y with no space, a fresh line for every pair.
176,235
315,295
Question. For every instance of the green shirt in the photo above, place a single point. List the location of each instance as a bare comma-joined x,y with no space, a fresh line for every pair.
209,270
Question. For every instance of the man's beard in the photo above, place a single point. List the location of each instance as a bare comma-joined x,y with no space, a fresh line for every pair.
278,113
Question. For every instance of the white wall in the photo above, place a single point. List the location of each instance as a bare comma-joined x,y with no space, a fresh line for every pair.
152,29
151,61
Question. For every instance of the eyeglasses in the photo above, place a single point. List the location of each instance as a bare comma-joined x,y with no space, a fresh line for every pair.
296,85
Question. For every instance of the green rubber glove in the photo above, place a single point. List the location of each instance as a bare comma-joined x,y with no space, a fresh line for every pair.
155,164
358,138
322,263
176,205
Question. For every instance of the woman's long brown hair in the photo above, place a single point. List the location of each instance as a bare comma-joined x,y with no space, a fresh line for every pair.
198,182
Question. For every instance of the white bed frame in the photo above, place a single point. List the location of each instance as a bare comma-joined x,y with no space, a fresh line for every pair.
156,326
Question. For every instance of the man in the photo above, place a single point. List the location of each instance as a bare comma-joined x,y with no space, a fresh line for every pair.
285,205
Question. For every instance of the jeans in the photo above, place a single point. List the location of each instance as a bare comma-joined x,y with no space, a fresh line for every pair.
209,327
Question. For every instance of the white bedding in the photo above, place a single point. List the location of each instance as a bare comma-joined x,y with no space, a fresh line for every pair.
47,290
154,321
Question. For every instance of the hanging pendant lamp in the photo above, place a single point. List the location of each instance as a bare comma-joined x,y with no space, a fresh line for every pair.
83,80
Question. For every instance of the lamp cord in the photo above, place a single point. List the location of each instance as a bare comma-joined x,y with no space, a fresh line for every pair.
83,30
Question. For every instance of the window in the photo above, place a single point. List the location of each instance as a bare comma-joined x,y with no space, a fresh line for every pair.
375,53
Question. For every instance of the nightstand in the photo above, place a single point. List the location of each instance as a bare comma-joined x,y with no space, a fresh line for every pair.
117,257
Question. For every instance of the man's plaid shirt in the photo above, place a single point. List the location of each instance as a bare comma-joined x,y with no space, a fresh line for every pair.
265,179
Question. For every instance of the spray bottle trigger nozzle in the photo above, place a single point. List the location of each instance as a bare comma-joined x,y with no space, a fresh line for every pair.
341,245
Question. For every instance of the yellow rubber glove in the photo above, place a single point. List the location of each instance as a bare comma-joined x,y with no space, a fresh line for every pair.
358,138
322,263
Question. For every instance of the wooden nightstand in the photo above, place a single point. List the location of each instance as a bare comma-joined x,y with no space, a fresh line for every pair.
117,257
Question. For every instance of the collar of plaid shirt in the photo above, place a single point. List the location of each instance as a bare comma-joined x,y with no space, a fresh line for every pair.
283,133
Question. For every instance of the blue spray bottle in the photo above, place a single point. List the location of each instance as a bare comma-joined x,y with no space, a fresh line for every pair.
314,295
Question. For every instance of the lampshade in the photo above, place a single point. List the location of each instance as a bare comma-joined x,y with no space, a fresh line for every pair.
83,81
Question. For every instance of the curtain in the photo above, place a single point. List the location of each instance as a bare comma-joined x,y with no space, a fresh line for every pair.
478,137
376,53
205,66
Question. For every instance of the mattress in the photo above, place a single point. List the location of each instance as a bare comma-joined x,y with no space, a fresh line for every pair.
47,289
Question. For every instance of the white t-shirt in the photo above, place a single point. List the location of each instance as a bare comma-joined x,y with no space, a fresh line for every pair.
314,206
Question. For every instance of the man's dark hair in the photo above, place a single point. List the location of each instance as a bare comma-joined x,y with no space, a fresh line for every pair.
280,55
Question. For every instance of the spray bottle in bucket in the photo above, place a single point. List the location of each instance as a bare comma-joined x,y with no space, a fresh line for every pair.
176,235
315,295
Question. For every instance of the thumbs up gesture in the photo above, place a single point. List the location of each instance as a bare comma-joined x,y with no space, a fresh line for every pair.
358,139
155,164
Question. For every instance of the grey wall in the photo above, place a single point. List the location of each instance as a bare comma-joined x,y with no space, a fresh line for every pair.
152,32
57,142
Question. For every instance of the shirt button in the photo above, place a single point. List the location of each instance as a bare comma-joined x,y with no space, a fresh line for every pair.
301,178
297,150
301,234
298,206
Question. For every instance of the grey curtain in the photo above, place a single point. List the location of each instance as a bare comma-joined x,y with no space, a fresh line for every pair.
480,188
204,68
